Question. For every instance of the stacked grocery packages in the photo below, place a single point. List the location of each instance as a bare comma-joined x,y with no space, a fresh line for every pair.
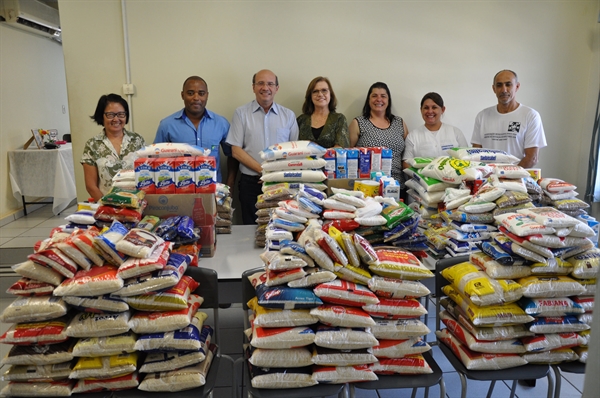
329,307
105,304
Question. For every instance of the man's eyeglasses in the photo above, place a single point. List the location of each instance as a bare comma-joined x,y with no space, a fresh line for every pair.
111,115
268,84
322,91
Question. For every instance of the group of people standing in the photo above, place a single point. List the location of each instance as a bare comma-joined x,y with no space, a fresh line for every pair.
509,126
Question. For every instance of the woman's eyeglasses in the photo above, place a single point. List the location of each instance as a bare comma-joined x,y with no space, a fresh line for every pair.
322,91
111,115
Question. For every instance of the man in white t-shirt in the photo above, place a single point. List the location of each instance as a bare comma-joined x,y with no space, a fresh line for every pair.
510,126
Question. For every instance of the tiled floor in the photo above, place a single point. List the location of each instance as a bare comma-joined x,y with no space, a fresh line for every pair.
26,231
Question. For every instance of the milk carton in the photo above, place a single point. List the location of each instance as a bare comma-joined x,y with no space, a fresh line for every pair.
164,175
376,159
352,161
206,174
364,163
386,161
341,163
330,166
144,175
185,174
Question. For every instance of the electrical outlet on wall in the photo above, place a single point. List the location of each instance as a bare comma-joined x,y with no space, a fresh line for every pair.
128,89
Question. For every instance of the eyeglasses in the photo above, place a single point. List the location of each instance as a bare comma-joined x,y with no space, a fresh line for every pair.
322,91
268,84
111,115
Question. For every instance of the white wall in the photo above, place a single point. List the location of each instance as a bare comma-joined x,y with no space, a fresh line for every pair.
33,92
451,47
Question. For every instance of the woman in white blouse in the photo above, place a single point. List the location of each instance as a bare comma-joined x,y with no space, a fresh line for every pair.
434,137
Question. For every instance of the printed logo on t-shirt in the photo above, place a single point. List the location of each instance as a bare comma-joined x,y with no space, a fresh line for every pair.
514,126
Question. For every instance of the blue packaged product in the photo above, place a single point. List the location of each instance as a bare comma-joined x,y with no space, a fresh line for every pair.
308,205
352,163
185,227
287,298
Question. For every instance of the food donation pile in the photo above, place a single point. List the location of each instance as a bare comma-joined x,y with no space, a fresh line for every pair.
329,308
527,293
105,304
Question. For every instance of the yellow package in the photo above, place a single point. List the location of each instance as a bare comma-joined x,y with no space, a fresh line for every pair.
105,367
103,346
492,315
479,287
353,274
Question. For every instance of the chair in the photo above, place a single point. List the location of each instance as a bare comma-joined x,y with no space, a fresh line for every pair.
409,381
525,372
208,289
319,390
567,367
387,382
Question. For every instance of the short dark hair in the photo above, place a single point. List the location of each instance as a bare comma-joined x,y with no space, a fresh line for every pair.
254,79
194,78
308,107
435,97
506,70
98,116
367,108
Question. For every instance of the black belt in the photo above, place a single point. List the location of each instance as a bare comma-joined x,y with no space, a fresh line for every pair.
250,177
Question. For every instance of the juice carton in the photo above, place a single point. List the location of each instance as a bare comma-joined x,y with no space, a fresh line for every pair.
376,159
206,174
352,159
144,175
341,163
185,174
164,175
386,161
364,163
330,166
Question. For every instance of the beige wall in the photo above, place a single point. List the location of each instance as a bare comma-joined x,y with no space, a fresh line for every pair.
452,47
33,92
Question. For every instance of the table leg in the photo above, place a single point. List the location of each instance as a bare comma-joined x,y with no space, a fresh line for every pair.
24,205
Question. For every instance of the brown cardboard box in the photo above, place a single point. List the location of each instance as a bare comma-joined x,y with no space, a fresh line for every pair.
343,183
201,207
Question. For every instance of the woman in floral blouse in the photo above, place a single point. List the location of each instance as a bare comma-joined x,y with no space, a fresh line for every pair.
112,150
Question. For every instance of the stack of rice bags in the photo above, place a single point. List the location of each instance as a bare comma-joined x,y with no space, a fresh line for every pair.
124,179
283,164
224,209
546,237
562,196
90,315
426,192
327,269
483,321
123,205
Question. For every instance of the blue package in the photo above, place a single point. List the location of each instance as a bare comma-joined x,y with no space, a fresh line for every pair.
287,298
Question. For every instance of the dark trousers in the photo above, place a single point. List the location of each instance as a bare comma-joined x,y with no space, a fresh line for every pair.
249,188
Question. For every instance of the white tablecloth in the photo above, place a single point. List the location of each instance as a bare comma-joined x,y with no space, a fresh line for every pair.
44,173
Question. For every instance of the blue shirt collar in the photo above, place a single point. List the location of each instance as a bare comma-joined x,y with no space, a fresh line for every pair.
256,106
183,116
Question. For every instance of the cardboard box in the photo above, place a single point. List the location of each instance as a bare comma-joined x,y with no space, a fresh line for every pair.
201,207
343,183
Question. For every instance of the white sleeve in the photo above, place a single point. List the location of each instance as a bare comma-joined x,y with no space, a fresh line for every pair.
409,147
235,136
476,137
535,132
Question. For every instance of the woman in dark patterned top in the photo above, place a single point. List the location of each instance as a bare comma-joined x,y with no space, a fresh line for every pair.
377,126
319,121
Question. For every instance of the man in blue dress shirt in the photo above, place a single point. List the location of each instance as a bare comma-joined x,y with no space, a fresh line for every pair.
196,125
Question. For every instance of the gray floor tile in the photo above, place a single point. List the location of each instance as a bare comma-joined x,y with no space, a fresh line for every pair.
40,232
474,388
541,390
441,360
53,222
12,232
21,242
25,222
